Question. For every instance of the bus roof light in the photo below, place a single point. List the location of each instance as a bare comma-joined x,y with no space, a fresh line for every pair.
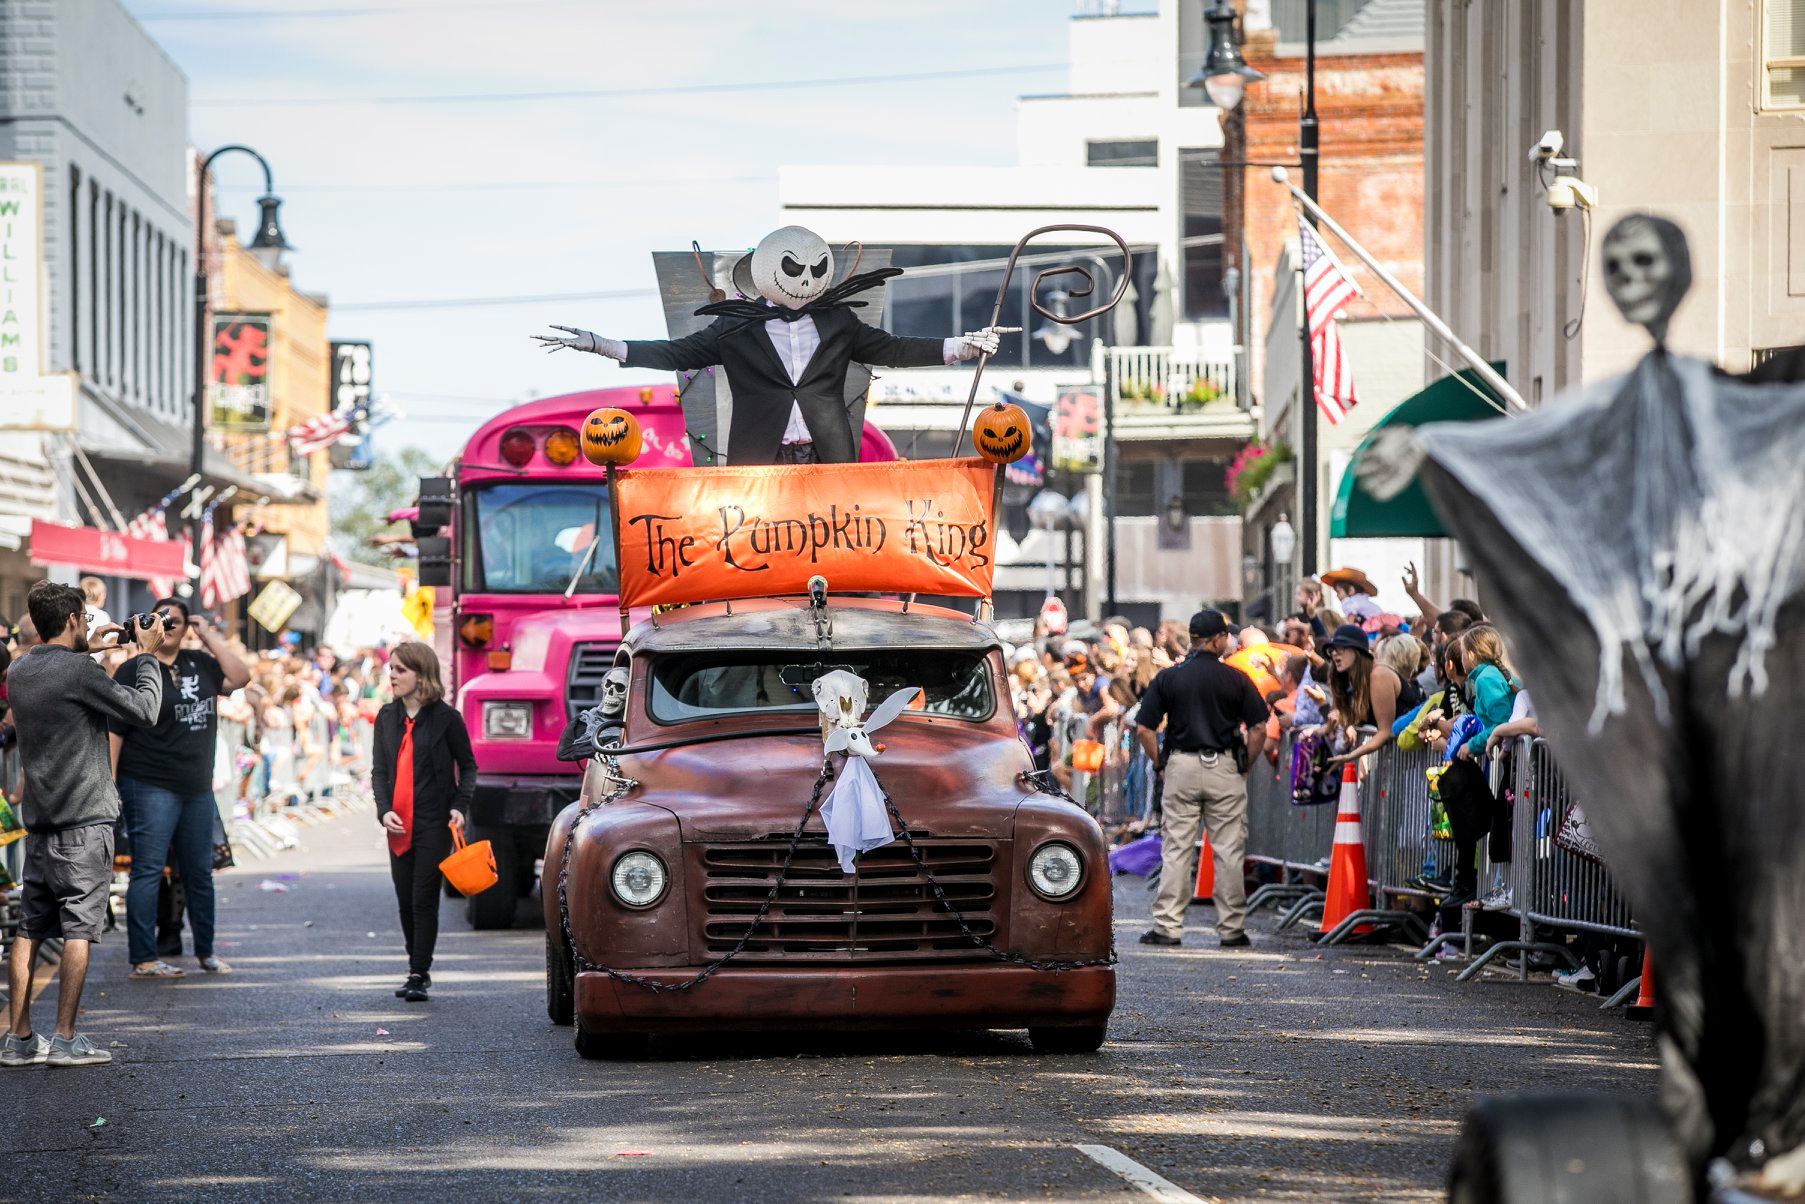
561,447
517,447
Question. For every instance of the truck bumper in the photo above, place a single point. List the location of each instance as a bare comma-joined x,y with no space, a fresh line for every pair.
889,997
528,800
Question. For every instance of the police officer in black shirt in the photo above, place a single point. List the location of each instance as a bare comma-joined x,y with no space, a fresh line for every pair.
165,776
1205,705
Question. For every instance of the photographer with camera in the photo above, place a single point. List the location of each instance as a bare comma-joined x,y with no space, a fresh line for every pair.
62,702
165,777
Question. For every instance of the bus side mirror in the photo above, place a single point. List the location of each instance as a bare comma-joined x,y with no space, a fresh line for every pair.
435,560
435,503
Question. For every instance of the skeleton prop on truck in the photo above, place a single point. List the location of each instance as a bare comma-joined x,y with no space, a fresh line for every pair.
786,345
856,818
598,728
1643,542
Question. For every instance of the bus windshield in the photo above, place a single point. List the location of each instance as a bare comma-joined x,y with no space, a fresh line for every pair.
529,538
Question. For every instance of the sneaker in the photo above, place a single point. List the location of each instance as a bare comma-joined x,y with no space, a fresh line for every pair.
24,1051
215,965
1450,953
156,969
414,989
425,984
78,1050
1432,884
1159,938
1237,941
1581,979
1498,900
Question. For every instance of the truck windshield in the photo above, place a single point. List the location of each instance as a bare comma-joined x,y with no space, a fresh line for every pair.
705,685
529,538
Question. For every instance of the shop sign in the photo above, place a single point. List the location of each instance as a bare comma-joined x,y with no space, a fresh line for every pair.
1077,426
238,384
347,388
274,605
110,553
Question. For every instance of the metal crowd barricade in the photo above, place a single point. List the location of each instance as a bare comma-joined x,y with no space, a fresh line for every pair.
1551,885
1396,825
1295,840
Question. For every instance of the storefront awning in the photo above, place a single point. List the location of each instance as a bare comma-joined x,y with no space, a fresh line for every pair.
1357,514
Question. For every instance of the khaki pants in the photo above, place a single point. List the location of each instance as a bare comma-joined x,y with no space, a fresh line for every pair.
1214,796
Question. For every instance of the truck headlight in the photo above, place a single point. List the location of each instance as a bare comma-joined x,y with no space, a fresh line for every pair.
507,721
638,878
1055,871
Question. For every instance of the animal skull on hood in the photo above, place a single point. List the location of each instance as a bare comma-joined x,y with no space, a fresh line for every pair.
791,266
842,696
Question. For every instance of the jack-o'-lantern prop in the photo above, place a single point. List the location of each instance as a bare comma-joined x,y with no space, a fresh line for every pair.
611,436
1002,435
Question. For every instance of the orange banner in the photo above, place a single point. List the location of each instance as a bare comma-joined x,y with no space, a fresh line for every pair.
711,534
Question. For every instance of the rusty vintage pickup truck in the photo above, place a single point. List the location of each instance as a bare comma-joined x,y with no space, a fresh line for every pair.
693,888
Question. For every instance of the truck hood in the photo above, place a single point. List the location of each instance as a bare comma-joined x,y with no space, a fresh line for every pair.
947,778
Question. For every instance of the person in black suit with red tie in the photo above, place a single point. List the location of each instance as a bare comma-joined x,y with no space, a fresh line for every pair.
787,356
423,774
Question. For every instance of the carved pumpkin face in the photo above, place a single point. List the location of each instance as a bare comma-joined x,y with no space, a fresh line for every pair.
611,437
1001,434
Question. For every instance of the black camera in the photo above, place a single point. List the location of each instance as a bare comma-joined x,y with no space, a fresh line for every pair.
137,623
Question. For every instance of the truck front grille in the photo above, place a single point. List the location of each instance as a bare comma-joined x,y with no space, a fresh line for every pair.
886,911
589,664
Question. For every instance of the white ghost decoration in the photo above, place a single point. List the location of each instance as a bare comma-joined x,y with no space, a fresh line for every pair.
792,266
854,812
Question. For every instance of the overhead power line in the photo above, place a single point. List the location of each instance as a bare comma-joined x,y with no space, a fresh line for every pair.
362,10
495,185
472,302
765,85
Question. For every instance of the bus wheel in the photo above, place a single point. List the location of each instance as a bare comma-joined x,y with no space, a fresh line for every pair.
560,1002
494,908
1523,1148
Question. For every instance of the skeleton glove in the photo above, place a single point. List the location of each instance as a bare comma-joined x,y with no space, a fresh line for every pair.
978,342
583,340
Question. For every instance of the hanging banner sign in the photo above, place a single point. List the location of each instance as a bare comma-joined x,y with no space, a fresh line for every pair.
109,552
238,388
21,275
715,534
274,606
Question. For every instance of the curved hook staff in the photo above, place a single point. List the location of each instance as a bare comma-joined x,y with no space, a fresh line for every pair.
996,311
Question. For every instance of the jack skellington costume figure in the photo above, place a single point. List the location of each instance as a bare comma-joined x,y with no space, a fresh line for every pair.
1643,543
787,353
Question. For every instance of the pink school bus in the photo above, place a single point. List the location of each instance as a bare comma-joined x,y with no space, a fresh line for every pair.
501,540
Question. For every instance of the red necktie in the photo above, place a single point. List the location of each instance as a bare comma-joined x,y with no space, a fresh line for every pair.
403,804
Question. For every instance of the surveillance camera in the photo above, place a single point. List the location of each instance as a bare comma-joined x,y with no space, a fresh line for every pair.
1550,145
1567,191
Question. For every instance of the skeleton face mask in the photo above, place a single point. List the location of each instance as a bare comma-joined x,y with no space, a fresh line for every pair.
614,693
792,266
1647,269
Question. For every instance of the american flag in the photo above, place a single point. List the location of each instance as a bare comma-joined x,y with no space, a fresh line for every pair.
1327,291
225,568
322,431
152,525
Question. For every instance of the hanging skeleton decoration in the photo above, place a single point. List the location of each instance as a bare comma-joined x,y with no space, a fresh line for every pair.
599,727
1643,543
854,812
787,345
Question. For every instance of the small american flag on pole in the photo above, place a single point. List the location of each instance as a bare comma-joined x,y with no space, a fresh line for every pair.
1327,291
225,566
322,431
152,525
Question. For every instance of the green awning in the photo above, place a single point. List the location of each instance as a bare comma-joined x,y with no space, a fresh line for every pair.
1462,397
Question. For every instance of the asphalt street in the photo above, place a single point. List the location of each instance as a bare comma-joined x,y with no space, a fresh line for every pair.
1281,1072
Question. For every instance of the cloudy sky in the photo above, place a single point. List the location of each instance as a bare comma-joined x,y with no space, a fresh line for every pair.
423,164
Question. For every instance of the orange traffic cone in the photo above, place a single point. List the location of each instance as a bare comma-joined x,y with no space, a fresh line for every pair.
1206,872
1347,891
1644,1007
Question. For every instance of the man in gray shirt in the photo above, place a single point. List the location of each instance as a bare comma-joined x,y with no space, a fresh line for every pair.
61,703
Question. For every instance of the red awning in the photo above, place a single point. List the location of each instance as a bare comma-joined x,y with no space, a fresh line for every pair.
108,552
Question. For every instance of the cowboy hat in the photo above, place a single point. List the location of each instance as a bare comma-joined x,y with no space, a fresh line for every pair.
1353,577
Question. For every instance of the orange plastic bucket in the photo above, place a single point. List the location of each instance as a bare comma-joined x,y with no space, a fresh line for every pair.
471,868
1087,756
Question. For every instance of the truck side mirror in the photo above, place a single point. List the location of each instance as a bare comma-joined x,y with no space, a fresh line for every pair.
436,499
435,560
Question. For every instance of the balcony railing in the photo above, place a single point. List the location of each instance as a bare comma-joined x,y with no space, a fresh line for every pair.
1174,379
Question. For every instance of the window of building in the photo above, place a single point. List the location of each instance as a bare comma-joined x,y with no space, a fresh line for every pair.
1143,487
1135,152
1783,54
75,250
112,345
93,365
1201,195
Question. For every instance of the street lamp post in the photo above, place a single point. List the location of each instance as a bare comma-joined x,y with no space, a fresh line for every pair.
1225,76
270,241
